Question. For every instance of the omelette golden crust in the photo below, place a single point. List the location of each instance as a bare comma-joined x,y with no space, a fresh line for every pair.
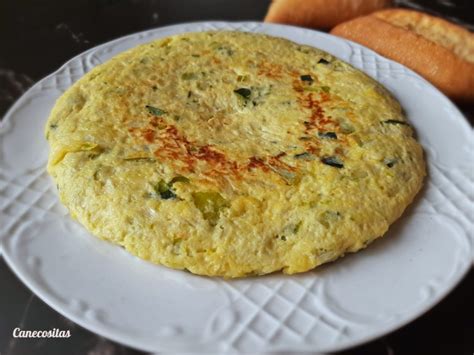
233,154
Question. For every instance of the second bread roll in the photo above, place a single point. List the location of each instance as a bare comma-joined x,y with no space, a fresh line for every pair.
438,50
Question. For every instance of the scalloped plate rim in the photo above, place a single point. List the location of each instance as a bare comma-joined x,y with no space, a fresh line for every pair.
115,336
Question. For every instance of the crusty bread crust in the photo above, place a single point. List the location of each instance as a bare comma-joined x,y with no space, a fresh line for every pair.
436,49
320,13
442,32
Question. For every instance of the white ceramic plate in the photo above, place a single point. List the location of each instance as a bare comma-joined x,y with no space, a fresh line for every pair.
358,298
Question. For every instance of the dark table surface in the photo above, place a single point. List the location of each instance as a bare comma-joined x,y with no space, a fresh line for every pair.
37,36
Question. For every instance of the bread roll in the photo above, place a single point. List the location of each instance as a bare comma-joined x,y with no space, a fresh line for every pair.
440,51
323,14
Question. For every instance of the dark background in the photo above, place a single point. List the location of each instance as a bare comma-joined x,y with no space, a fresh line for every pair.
37,36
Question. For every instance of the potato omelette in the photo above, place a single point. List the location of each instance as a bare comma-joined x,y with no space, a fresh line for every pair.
233,154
